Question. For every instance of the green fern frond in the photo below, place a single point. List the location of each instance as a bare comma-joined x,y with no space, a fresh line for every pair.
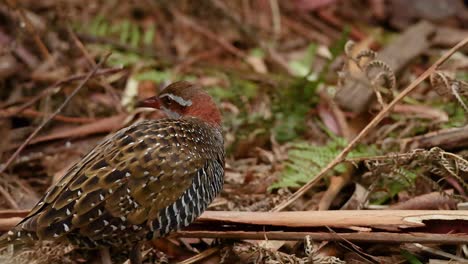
391,183
306,160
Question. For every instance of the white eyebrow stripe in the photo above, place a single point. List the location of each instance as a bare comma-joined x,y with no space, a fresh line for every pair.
177,99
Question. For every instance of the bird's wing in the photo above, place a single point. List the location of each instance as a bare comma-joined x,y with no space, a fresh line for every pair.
128,178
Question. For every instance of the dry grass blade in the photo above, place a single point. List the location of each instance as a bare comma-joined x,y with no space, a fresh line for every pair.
8,198
338,159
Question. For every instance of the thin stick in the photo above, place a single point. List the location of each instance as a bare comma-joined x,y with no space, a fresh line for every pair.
59,109
379,237
8,198
45,53
340,157
29,27
33,113
81,47
382,157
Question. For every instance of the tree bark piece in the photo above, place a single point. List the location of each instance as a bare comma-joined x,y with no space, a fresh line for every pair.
447,139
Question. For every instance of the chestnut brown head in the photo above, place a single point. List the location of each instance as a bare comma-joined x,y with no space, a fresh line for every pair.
184,99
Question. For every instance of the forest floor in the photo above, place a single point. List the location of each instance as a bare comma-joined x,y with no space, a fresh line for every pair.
345,122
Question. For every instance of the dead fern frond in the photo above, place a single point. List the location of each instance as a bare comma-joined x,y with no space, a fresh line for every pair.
380,75
348,48
444,84
370,55
256,254
314,256
403,168
376,73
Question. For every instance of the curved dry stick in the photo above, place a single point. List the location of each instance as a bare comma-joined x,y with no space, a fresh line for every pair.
340,157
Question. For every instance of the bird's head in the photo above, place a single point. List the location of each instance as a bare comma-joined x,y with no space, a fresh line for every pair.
185,99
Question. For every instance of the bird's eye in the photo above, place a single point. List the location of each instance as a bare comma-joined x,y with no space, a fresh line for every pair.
167,101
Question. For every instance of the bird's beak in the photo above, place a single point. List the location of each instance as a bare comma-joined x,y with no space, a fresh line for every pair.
152,102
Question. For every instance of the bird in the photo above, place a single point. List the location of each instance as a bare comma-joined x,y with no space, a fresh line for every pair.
140,183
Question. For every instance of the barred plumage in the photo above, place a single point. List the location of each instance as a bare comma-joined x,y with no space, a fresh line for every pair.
142,182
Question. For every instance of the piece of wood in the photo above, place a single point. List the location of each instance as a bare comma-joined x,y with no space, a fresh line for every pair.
103,125
447,139
428,201
257,225
448,36
340,218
